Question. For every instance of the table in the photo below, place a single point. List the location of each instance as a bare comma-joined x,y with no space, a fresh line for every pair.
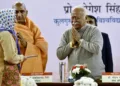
71,84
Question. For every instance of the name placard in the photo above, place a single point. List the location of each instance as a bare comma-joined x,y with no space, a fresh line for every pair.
40,77
111,77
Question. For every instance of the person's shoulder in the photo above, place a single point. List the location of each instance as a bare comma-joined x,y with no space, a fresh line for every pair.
32,25
68,30
92,27
105,34
30,22
5,33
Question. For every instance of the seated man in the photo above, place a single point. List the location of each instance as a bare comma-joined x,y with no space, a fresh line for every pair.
106,51
31,41
82,44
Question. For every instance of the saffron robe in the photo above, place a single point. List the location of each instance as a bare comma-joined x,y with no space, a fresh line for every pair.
36,45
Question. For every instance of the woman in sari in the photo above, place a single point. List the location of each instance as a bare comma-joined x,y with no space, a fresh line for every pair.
9,50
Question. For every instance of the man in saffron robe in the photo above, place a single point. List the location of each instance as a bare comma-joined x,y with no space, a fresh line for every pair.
31,41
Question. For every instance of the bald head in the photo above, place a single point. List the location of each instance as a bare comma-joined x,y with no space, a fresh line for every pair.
18,4
78,17
21,12
80,10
